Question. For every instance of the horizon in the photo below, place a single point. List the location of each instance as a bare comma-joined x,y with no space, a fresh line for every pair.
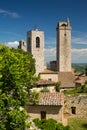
16,19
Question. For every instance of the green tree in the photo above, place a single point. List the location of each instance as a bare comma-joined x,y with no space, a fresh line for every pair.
50,124
17,69
33,98
57,86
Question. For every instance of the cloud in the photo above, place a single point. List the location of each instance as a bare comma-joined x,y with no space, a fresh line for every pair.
79,40
78,55
50,54
79,37
79,51
12,44
9,13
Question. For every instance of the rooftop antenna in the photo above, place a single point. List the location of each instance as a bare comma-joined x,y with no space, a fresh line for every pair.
68,21
35,27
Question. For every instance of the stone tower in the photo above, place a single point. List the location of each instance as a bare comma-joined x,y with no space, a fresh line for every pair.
22,45
63,46
35,45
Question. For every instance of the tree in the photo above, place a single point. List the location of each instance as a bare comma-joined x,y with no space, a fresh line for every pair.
50,124
33,98
17,69
57,86
86,71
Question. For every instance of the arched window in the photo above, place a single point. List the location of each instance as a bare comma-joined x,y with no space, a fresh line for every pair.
37,42
64,25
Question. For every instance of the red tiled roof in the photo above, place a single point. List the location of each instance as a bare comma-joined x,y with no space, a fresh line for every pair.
47,98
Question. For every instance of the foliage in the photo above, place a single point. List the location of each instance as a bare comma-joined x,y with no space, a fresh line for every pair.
17,69
57,86
50,124
45,90
77,124
33,98
78,90
80,68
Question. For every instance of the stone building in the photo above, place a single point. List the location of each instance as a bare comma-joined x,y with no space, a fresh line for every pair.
75,106
61,68
50,105
63,46
22,45
35,45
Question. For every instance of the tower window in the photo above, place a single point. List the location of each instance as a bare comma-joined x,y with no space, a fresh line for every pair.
65,34
64,25
37,42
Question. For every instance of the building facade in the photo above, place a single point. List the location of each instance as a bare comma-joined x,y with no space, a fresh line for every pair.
35,45
63,48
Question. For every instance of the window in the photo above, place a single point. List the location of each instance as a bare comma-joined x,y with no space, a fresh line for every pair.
64,25
73,110
65,34
49,79
43,114
37,42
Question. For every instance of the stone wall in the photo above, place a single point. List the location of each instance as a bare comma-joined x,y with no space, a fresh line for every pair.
49,76
75,106
54,112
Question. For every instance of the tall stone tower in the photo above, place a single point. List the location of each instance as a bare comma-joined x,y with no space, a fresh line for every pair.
63,46
35,45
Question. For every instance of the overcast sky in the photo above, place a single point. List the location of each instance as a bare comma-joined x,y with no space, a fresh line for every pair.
19,16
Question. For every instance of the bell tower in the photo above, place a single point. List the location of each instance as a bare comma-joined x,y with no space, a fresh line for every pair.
35,45
63,53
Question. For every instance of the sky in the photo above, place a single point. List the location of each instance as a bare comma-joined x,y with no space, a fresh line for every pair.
19,16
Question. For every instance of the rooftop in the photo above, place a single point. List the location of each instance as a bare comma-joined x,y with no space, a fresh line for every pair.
48,71
67,79
47,98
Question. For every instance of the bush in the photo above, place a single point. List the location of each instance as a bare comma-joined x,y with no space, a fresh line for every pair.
50,124
57,86
45,90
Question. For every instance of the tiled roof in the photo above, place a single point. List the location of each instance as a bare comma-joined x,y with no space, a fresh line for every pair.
81,79
47,98
67,79
48,71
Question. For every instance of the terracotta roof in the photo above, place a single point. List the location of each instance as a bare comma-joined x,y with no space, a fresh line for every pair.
81,79
45,82
47,98
67,79
48,71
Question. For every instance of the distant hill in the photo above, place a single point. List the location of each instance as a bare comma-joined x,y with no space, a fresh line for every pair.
78,67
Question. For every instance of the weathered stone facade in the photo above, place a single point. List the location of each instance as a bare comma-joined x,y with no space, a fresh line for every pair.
50,105
35,45
49,75
75,106
63,46
22,45
54,112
